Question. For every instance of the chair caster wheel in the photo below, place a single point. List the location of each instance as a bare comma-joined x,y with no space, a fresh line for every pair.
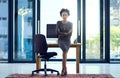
37,72
32,73
51,71
58,74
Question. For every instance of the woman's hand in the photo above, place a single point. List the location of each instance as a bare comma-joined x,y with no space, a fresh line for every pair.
65,33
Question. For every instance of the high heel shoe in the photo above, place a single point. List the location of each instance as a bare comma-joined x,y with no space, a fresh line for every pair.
63,73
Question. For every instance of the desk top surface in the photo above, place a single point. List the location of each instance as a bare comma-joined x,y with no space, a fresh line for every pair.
56,45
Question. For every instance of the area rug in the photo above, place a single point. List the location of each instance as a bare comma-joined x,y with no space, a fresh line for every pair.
55,76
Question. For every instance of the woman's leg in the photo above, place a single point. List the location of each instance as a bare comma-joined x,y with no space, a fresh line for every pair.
64,61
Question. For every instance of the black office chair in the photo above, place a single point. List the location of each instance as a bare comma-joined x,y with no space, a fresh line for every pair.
40,47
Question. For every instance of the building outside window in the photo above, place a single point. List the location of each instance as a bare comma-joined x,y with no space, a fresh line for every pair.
3,30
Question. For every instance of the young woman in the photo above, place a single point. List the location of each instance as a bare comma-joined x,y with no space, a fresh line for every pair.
64,29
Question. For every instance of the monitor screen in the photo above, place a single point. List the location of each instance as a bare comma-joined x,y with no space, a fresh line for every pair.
51,31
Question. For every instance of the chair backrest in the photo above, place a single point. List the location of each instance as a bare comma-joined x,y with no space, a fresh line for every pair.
40,44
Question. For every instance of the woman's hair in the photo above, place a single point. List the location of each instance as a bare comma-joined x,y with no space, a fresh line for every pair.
64,10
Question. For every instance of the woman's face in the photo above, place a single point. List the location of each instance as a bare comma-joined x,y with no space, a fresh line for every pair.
64,15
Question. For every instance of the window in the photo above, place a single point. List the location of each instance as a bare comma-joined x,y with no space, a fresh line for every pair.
115,30
92,29
3,30
23,31
50,15
92,34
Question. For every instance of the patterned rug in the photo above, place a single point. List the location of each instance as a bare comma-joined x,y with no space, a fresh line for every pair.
55,76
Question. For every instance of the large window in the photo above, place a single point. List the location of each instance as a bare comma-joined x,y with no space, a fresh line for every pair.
50,15
115,30
90,27
23,30
3,30
93,23
92,34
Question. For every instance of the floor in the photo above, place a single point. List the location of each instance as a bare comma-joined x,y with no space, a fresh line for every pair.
26,68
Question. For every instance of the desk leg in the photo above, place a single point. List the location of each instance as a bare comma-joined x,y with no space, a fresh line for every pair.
77,59
38,63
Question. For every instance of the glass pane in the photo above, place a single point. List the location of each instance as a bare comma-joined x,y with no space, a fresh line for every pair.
3,30
81,28
23,31
115,29
103,29
50,15
92,29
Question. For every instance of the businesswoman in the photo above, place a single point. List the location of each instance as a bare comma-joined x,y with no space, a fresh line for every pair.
64,29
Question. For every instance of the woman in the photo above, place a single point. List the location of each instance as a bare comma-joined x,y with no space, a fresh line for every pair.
64,29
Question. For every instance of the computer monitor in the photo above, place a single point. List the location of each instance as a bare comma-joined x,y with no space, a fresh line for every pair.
51,31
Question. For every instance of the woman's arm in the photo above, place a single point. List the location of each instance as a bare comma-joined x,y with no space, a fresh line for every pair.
69,32
64,33
58,30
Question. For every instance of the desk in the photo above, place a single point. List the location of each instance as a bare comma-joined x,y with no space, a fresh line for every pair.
77,46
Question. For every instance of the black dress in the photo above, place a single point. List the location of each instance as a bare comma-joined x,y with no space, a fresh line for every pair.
64,40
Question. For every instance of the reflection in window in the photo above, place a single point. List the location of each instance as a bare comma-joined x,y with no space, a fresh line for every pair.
114,29
29,20
4,18
4,1
92,22
29,3
23,31
3,30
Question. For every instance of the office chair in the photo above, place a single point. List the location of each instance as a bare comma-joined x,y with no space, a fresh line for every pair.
40,47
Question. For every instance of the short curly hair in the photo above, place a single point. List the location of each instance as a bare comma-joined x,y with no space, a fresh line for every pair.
64,10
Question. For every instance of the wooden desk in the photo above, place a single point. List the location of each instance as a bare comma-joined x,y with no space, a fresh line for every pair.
77,46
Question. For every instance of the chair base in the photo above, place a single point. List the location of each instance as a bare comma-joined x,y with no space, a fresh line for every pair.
45,71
